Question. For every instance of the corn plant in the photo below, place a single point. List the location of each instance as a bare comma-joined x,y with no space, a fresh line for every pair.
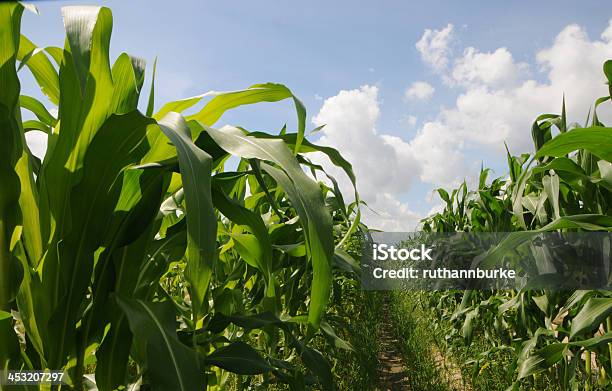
556,338
135,252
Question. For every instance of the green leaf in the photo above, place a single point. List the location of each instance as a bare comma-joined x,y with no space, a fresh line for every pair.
541,360
551,187
80,33
596,139
196,167
315,361
257,93
249,249
589,222
180,105
517,195
128,76
589,318
567,170
253,222
331,335
43,71
594,342
445,197
468,325
255,321
87,90
151,101
346,262
305,195
38,109
170,364
36,125
239,358
307,147
117,145
11,146
316,222
607,68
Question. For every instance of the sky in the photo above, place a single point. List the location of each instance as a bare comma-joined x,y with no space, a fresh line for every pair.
417,95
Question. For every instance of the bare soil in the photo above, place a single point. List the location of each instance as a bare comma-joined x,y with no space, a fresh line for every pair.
392,371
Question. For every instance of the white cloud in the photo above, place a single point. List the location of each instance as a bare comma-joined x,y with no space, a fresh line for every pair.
438,151
497,69
434,47
383,164
498,102
498,99
419,90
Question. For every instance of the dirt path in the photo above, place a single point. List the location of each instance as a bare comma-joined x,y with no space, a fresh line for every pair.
392,371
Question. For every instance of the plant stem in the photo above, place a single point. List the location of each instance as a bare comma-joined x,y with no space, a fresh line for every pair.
587,369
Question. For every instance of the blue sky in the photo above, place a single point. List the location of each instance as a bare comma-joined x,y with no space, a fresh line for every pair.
368,50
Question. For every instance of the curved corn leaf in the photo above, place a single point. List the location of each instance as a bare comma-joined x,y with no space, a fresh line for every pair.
589,318
196,167
596,139
541,360
11,147
240,358
39,64
118,144
269,92
170,364
245,217
305,195
38,109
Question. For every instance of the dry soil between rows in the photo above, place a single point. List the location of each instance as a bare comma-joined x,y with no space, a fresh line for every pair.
391,371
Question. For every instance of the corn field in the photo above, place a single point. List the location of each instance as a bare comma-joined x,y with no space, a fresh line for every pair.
160,249
556,339
137,253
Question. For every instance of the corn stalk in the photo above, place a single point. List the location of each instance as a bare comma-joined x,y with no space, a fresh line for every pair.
135,250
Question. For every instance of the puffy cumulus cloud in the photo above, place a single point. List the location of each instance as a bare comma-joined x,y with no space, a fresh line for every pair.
434,47
419,90
574,67
438,152
498,102
383,164
497,69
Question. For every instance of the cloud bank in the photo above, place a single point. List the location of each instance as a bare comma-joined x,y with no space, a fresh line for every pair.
497,99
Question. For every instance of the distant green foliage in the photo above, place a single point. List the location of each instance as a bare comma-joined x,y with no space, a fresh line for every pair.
565,185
